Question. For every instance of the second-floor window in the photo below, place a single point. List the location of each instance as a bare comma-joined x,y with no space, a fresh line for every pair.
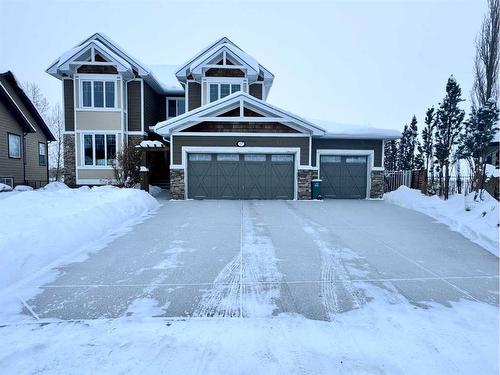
98,94
175,107
220,90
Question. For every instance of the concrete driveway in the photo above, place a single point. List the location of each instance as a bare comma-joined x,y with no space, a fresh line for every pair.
264,258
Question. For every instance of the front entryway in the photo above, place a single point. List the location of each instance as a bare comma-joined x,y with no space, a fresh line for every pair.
240,176
343,176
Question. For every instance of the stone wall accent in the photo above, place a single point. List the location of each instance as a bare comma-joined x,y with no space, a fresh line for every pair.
304,179
377,184
69,171
177,184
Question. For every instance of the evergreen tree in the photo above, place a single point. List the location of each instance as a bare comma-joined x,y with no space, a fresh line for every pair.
479,131
426,148
391,155
449,119
408,145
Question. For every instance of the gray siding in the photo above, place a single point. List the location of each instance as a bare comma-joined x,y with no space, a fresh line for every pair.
154,107
194,95
9,167
214,141
349,144
69,105
134,106
255,90
14,167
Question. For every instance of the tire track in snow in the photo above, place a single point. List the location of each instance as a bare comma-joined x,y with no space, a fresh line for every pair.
338,294
249,284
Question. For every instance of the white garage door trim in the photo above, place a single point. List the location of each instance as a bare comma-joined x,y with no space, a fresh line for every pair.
240,150
368,153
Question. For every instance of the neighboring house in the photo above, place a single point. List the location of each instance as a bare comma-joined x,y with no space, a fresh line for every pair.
221,138
24,137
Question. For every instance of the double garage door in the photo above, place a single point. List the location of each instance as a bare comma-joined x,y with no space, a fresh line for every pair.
240,176
343,176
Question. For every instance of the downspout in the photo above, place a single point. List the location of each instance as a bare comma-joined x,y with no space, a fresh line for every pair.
24,157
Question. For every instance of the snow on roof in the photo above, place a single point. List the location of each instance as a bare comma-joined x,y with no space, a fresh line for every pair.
165,74
148,143
231,47
341,130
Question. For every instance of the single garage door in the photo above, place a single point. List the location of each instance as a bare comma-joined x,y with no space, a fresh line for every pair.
240,176
343,176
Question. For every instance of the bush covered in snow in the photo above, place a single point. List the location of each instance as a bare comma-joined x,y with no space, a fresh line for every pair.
4,187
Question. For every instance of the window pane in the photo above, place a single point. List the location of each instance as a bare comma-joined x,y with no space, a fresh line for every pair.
99,150
356,160
200,157
330,159
172,108
250,157
14,146
181,106
87,147
236,87
224,90
228,157
98,94
214,93
110,94
41,154
282,158
111,148
87,93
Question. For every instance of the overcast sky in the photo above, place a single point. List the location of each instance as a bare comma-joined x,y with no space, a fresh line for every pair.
359,62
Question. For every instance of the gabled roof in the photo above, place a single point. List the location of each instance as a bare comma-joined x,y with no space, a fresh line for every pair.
193,65
11,100
239,98
118,55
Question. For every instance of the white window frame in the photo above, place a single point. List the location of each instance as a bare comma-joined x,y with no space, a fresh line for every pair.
44,148
20,146
175,99
103,80
243,82
82,151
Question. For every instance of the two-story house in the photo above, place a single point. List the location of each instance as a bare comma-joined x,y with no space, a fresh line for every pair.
24,137
221,138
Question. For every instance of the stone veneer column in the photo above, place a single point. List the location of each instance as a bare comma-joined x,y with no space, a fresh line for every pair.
304,179
69,171
177,184
377,184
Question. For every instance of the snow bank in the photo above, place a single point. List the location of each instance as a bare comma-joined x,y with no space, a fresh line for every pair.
480,224
4,187
38,228
380,339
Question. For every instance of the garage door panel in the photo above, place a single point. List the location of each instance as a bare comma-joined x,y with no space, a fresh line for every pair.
246,176
343,176
228,182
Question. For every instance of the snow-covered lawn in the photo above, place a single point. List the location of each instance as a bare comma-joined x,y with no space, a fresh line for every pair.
383,337
48,227
479,224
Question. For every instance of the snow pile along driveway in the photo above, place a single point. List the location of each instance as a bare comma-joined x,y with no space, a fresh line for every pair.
40,228
480,224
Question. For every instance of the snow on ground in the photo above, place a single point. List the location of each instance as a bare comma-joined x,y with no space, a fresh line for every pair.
39,228
384,337
480,224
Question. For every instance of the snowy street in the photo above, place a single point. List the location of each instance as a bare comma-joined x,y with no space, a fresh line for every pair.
336,285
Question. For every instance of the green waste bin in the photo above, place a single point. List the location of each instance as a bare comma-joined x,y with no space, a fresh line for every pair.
316,189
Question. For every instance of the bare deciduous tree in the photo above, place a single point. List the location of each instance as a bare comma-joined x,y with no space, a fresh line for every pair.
56,124
34,93
486,63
